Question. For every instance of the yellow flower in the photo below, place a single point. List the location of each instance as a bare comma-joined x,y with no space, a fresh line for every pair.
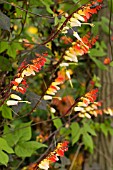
44,164
32,30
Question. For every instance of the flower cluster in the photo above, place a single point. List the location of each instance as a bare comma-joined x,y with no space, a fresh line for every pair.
53,156
83,14
19,83
25,70
90,110
88,10
87,105
108,111
79,48
53,88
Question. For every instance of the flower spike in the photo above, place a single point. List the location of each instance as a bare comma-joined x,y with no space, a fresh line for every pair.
51,157
26,70
54,87
79,48
86,107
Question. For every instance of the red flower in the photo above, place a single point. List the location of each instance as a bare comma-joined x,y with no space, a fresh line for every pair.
60,152
107,60
92,95
52,157
61,148
100,1
21,89
53,88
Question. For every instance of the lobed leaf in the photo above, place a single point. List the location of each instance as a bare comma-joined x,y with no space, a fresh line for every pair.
6,112
26,149
75,132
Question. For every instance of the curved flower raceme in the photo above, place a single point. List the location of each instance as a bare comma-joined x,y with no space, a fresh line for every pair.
51,157
88,10
79,48
108,111
19,83
25,70
89,111
53,88
86,107
83,14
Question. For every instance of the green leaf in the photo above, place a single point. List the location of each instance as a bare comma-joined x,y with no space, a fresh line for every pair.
57,122
105,20
6,112
105,29
97,52
23,131
20,133
4,146
47,3
99,63
56,20
4,22
81,2
88,142
75,1
35,3
12,49
103,45
3,46
95,29
88,129
104,129
111,64
97,126
10,136
3,158
65,131
97,81
111,131
84,2
6,65
26,149
75,132
59,21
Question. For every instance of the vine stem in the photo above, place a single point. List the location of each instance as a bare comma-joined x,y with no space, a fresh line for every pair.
75,156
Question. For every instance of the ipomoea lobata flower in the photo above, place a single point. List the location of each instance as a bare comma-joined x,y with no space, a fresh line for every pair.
12,102
14,96
44,164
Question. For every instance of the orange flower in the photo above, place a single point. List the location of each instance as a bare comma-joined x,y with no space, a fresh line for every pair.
53,88
92,95
107,61
44,164
83,14
25,70
79,48
53,156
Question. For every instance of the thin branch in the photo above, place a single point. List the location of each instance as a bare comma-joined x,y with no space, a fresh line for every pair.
75,156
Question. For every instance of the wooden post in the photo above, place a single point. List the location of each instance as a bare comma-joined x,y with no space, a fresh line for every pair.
102,158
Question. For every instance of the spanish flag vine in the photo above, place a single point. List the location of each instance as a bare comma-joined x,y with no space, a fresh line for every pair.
84,106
